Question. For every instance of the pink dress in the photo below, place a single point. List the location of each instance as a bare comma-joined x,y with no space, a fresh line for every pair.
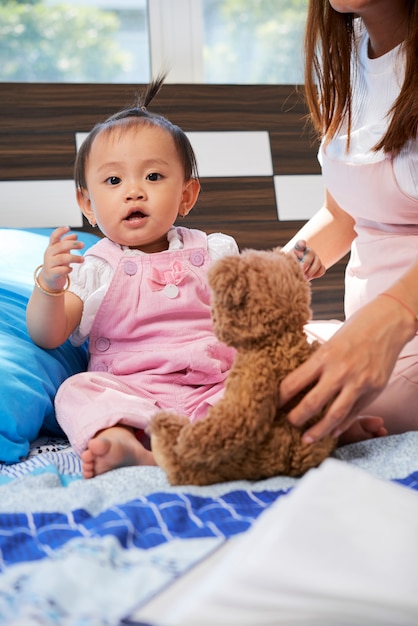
151,345
381,194
386,223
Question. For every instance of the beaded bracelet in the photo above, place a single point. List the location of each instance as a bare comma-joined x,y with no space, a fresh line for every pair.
405,306
45,291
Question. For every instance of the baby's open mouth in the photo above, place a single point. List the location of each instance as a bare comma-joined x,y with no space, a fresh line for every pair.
135,215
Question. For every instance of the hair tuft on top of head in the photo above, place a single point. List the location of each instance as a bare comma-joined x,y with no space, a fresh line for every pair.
150,92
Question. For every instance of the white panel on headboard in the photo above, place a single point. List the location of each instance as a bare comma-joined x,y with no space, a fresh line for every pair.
222,154
235,153
38,204
298,197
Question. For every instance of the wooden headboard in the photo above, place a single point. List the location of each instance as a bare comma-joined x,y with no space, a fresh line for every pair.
38,123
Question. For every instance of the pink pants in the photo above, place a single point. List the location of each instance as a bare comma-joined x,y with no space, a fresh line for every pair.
91,401
398,402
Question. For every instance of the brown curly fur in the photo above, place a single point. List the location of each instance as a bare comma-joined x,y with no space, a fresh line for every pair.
260,303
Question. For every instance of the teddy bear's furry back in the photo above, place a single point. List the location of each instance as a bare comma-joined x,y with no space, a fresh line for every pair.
260,304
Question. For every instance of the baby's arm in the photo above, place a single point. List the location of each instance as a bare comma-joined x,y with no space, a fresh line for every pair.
310,261
52,312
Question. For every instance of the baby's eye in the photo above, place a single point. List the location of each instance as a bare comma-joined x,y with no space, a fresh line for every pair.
154,176
113,180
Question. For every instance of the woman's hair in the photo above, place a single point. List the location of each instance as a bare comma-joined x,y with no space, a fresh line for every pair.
329,44
135,116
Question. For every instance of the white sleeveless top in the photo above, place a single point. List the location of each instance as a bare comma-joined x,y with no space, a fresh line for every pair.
376,85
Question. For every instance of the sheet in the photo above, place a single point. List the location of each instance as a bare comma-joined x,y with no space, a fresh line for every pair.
130,530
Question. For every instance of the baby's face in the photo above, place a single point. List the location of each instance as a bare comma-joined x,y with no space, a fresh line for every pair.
135,186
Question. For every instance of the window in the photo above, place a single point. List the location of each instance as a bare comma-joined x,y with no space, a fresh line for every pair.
127,41
74,41
246,41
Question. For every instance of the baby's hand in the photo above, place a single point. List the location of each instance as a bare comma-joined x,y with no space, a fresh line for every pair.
58,258
311,263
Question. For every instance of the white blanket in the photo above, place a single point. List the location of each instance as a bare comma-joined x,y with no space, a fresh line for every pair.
340,550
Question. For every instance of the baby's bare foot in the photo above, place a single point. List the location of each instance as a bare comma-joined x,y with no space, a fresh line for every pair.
111,448
367,427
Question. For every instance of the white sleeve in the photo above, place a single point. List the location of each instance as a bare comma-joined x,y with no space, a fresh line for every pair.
220,245
89,281
89,276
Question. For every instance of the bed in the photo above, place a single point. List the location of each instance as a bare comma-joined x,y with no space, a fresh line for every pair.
338,546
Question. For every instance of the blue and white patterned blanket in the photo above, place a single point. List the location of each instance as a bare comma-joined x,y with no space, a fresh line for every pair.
86,552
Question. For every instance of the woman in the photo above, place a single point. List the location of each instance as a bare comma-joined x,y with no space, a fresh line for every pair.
362,90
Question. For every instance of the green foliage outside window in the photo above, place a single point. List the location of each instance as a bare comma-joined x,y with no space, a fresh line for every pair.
59,43
245,41
259,41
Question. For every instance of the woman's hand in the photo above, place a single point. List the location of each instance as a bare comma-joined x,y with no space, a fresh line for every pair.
350,369
310,261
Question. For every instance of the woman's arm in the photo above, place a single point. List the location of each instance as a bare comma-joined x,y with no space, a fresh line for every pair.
329,233
51,318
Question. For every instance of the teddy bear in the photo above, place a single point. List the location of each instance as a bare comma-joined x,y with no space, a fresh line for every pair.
260,302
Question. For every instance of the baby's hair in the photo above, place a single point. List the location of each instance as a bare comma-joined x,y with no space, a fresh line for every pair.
134,116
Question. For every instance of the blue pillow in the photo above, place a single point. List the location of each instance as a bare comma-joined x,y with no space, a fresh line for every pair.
29,375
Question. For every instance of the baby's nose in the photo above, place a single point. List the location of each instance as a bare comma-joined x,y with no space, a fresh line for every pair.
135,192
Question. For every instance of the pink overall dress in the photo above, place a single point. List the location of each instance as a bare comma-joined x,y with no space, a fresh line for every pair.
151,345
386,223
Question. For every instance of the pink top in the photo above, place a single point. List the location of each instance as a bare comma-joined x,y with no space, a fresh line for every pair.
379,192
386,223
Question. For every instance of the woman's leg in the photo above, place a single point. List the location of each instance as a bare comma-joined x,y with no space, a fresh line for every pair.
398,402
